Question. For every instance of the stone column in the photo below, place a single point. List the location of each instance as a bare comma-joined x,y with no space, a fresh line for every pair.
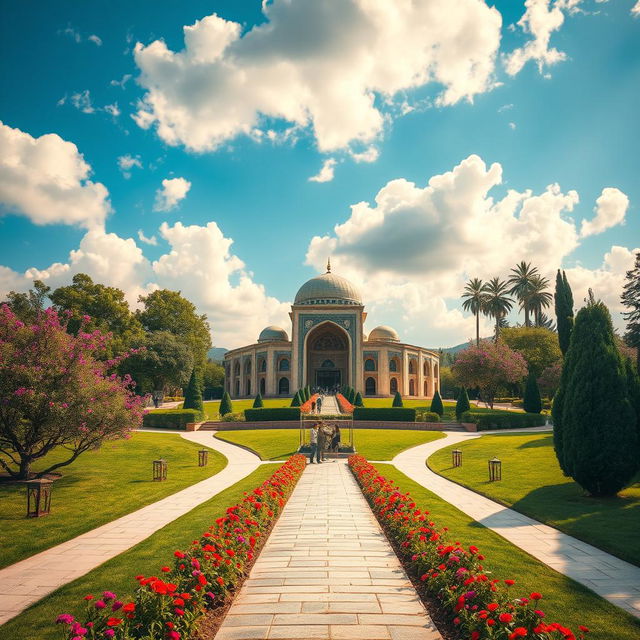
421,361
270,383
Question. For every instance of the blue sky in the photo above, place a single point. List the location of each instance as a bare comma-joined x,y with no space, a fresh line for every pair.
516,98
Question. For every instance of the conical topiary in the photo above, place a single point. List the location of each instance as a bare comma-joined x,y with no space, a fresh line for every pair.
532,402
358,401
296,400
397,400
225,404
352,395
595,424
257,403
436,404
193,394
462,403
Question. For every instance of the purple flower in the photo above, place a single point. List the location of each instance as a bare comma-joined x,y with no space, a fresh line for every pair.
109,633
116,605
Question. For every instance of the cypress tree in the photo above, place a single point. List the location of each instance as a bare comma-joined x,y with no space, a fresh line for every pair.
631,300
296,400
532,402
307,393
397,400
257,403
462,403
436,404
358,402
633,386
352,395
225,404
564,310
193,394
595,424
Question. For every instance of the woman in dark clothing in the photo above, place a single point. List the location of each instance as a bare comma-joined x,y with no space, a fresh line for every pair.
335,441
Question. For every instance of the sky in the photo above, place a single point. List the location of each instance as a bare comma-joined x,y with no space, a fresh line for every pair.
227,149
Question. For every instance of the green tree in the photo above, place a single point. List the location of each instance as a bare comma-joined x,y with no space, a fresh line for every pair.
436,404
473,296
539,299
257,403
497,303
225,404
352,395
633,385
532,402
520,282
538,346
166,310
212,374
595,423
29,306
193,393
631,300
462,404
397,400
564,311
296,401
358,402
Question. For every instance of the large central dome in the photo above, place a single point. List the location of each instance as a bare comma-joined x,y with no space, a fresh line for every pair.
328,289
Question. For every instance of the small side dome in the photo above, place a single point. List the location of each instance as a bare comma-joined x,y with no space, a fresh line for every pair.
384,334
273,334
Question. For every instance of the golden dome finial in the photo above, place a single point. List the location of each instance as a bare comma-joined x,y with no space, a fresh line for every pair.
329,264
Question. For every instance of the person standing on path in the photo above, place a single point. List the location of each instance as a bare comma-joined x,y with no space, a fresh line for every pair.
322,443
319,404
335,441
313,437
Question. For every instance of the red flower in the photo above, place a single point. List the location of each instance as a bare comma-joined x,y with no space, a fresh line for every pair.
493,606
129,607
583,629
510,582
536,596
475,635
89,597
518,632
114,622
505,617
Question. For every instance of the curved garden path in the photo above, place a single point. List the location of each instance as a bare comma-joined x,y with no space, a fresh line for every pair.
613,579
27,581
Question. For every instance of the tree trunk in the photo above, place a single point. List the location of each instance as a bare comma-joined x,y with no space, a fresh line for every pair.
526,315
478,329
497,328
25,469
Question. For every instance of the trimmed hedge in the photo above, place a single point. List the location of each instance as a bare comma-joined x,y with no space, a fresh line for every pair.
272,414
171,418
385,414
423,415
486,421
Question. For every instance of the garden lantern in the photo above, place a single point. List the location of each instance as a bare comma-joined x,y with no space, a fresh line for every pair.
203,457
495,470
39,497
456,456
159,470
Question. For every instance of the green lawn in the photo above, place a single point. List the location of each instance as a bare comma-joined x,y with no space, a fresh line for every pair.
212,407
98,487
117,574
374,444
564,600
533,483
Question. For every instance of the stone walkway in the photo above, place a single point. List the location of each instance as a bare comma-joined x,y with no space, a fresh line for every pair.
327,571
614,579
27,581
330,405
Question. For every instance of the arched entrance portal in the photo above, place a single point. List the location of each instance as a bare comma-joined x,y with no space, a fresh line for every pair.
327,356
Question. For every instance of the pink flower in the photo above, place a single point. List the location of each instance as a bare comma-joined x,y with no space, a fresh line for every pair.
65,618
100,604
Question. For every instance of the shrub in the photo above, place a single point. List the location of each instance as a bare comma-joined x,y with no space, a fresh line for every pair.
225,404
352,396
385,414
358,402
462,404
198,577
532,402
238,416
257,403
450,572
512,420
171,418
436,404
193,394
424,415
397,400
275,414
296,401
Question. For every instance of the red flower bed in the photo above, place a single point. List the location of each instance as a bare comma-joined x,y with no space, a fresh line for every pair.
306,406
168,604
482,607
345,405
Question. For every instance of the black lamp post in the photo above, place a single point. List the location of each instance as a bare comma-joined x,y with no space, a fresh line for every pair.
456,457
495,470
39,497
203,457
159,470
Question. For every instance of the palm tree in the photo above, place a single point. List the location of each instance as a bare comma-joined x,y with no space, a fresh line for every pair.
520,281
538,298
497,303
474,300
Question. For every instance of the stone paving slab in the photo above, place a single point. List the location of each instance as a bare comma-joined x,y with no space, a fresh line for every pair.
327,571
612,578
27,581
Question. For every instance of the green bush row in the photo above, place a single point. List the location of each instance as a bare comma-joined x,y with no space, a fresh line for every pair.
272,414
171,418
486,421
385,414
424,415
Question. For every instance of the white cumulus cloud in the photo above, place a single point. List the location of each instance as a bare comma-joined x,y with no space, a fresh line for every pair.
314,64
128,162
152,240
326,172
611,208
635,10
173,190
47,180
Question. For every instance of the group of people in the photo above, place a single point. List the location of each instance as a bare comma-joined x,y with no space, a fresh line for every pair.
323,438
316,405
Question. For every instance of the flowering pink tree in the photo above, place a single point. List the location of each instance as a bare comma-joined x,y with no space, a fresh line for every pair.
55,393
489,366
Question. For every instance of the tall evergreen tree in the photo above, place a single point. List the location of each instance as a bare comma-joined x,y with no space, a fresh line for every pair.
193,393
633,385
397,400
631,300
257,403
532,402
564,310
352,395
358,401
462,403
436,404
595,424
225,404
297,400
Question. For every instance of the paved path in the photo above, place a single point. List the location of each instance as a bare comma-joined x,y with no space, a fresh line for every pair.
330,405
327,571
27,581
612,578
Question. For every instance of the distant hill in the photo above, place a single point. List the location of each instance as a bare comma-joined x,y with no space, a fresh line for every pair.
217,354
451,350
